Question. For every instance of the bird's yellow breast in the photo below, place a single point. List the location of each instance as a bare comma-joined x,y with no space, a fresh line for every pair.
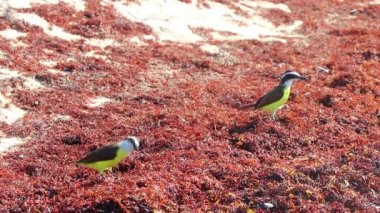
108,164
279,103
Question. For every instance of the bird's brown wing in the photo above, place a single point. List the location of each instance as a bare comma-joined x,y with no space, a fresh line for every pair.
102,154
272,96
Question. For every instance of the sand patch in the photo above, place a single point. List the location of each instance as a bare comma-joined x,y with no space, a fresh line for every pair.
6,144
9,113
78,5
174,20
98,101
11,34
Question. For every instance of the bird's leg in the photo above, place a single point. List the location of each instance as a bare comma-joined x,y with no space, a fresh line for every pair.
273,116
100,178
111,170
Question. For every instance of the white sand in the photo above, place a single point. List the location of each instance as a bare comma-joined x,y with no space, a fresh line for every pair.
210,49
264,5
2,54
94,54
11,34
7,143
375,2
102,43
9,113
50,29
55,31
62,118
48,63
172,20
29,82
79,5
98,101
56,71
137,41
7,73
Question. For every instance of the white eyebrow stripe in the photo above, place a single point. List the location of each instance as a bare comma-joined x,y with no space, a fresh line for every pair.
292,73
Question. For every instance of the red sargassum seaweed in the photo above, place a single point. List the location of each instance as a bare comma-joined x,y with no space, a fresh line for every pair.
199,152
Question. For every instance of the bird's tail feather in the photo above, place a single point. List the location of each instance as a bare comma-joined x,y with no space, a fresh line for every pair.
248,106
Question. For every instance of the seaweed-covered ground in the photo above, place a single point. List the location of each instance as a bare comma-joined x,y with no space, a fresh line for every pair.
75,77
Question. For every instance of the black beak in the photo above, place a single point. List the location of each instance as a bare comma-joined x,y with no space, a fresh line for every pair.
303,78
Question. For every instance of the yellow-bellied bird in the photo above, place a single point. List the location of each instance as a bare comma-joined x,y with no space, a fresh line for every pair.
109,156
278,96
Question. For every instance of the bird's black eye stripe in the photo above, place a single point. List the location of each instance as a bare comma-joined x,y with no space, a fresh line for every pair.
133,143
290,76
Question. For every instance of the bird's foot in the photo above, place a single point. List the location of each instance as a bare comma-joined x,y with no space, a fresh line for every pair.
100,178
112,172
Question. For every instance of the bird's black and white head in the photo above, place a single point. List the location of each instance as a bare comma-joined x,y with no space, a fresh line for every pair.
289,76
130,144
